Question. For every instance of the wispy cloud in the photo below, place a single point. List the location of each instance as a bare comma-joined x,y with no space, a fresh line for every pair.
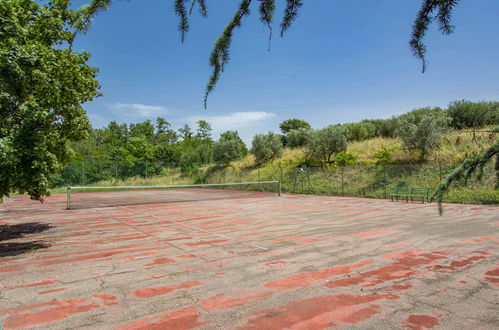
234,120
246,123
138,111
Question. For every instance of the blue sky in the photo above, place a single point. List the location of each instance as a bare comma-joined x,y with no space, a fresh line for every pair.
341,61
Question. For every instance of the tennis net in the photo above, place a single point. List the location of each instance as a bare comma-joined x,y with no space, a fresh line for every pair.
101,196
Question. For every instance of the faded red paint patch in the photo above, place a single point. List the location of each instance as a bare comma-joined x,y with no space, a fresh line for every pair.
318,312
372,233
107,299
160,261
401,287
274,264
344,282
182,319
137,256
396,246
11,268
304,279
187,256
493,276
221,301
58,311
480,239
161,290
218,274
51,291
418,322
458,264
207,242
39,283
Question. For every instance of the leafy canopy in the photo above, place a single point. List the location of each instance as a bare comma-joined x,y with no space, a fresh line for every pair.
42,86
421,130
266,147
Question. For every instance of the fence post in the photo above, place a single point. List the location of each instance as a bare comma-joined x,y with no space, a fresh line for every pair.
258,179
384,179
342,185
280,178
83,173
146,170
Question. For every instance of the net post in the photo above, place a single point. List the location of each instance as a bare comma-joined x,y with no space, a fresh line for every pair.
68,201
279,188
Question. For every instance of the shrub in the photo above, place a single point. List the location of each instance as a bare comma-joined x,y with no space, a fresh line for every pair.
466,114
385,155
422,132
346,159
266,147
227,151
324,143
297,137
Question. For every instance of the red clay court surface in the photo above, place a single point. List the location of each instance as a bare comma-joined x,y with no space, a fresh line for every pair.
217,259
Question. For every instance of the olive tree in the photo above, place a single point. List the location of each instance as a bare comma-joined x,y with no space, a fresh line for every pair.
423,134
323,144
266,147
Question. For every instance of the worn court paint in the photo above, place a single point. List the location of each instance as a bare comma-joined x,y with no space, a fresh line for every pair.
329,262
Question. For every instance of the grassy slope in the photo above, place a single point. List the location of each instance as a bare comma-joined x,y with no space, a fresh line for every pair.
365,180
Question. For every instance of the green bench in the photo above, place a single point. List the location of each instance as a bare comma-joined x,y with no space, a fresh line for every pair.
411,193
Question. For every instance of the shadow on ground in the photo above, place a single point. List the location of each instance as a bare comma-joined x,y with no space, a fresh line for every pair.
8,232
14,249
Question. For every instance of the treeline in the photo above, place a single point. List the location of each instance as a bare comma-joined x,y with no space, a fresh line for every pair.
158,142
420,131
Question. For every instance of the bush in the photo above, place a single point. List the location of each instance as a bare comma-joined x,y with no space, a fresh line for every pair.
422,131
385,155
266,147
346,159
297,137
324,143
227,151
466,114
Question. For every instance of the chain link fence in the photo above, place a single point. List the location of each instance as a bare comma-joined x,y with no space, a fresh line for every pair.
369,181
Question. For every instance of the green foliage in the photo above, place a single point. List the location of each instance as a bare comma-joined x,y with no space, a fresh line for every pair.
360,131
266,147
293,124
421,130
467,114
465,170
324,143
42,86
297,137
385,155
227,151
423,20
234,136
346,159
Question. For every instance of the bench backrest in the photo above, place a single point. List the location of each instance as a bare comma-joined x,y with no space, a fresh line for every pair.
403,190
420,191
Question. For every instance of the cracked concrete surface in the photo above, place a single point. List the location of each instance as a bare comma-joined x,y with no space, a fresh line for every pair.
247,260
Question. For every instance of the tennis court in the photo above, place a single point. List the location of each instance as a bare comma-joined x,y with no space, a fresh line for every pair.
218,259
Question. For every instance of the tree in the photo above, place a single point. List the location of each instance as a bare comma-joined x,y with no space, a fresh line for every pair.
297,137
43,83
293,124
467,114
266,147
203,132
422,130
226,151
324,143
234,136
